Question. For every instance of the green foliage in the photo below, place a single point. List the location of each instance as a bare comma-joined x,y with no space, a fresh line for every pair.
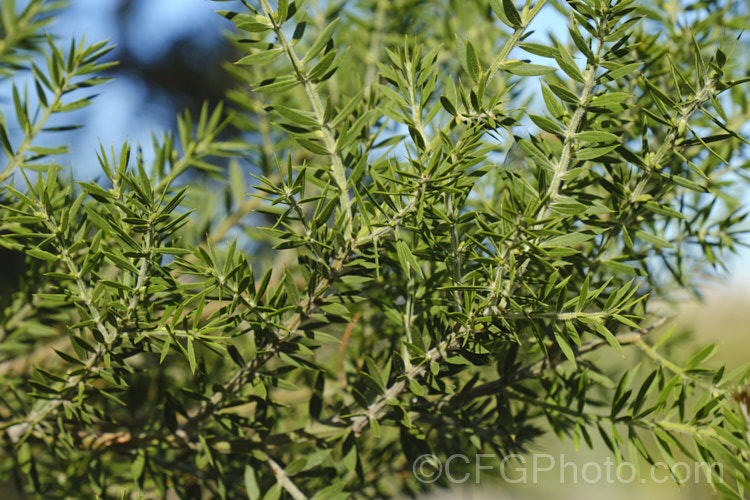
389,287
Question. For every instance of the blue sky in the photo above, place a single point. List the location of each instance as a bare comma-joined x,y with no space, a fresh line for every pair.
123,109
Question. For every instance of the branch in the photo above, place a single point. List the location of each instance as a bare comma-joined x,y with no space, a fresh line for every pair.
376,408
289,330
329,138
285,333
64,87
285,481
560,169
535,369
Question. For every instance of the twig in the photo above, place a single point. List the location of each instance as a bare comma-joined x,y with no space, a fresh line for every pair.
283,479
743,398
342,347
535,369
375,409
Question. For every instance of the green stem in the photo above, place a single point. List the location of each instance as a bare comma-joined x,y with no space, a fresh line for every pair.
668,145
329,138
559,171
569,141
15,29
377,407
677,370
514,39
539,403
29,136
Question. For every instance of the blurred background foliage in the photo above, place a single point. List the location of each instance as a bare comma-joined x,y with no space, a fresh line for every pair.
172,57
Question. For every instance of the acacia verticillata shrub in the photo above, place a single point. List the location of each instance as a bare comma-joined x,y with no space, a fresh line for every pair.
362,258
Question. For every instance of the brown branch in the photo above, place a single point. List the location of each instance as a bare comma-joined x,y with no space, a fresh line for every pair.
342,347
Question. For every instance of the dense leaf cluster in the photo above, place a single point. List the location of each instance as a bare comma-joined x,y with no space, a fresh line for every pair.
410,273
